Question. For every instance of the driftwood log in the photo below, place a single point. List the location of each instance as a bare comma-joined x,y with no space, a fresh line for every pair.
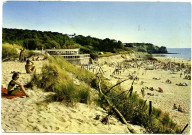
115,109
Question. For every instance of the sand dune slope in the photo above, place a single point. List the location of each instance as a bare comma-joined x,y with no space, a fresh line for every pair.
37,114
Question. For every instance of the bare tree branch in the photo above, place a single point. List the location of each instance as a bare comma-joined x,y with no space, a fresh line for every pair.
115,109
115,85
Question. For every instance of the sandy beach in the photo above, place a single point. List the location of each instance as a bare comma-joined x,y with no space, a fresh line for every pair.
37,114
172,94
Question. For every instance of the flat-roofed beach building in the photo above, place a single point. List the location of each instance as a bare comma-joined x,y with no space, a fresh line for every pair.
71,55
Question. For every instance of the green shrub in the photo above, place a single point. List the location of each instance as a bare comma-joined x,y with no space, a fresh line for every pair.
84,95
156,112
165,119
65,92
55,78
29,53
8,51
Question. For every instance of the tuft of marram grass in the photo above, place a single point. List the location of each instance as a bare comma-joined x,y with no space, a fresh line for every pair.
55,78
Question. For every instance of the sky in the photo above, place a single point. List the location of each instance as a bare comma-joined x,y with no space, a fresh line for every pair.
160,23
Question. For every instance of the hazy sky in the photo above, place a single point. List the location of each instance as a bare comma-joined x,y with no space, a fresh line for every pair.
159,23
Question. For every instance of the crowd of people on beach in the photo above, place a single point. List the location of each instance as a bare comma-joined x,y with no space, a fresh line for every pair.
184,71
120,67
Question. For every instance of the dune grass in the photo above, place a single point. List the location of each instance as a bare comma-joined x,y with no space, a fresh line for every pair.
55,78
12,51
9,51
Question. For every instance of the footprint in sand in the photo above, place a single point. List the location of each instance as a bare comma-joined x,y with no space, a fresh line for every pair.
62,119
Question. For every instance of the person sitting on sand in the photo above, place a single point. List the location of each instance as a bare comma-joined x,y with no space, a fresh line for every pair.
14,86
180,109
29,67
142,82
143,92
174,106
168,81
151,88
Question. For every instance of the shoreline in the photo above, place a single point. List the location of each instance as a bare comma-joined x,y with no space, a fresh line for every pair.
177,60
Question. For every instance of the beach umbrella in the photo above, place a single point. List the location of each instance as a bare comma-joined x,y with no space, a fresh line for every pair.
186,84
160,89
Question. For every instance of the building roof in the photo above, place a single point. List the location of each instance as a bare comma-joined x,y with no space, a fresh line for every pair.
75,49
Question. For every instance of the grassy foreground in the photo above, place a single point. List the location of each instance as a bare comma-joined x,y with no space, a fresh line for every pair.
55,77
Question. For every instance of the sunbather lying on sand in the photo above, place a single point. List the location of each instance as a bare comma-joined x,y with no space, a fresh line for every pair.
151,88
14,86
180,84
156,78
29,67
150,94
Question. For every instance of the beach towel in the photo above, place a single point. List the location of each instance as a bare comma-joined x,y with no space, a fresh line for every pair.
186,84
160,89
4,94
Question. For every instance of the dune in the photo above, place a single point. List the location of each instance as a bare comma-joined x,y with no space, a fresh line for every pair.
38,114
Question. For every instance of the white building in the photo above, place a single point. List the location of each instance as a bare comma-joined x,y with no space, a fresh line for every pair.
71,55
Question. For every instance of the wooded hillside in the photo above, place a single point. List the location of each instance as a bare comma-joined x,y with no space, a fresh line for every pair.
32,39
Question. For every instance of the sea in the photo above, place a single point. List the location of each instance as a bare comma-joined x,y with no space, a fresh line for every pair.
184,53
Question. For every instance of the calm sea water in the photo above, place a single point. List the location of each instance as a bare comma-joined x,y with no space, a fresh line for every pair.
182,53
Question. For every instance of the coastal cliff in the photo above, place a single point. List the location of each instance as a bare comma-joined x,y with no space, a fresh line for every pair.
146,47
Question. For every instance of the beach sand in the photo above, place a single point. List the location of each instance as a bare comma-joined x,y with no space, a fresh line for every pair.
180,95
38,114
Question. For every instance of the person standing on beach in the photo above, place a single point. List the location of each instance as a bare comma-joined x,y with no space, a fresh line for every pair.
181,75
22,55
143,92
14,86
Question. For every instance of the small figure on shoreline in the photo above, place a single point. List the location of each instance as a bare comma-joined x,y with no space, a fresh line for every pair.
12,88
